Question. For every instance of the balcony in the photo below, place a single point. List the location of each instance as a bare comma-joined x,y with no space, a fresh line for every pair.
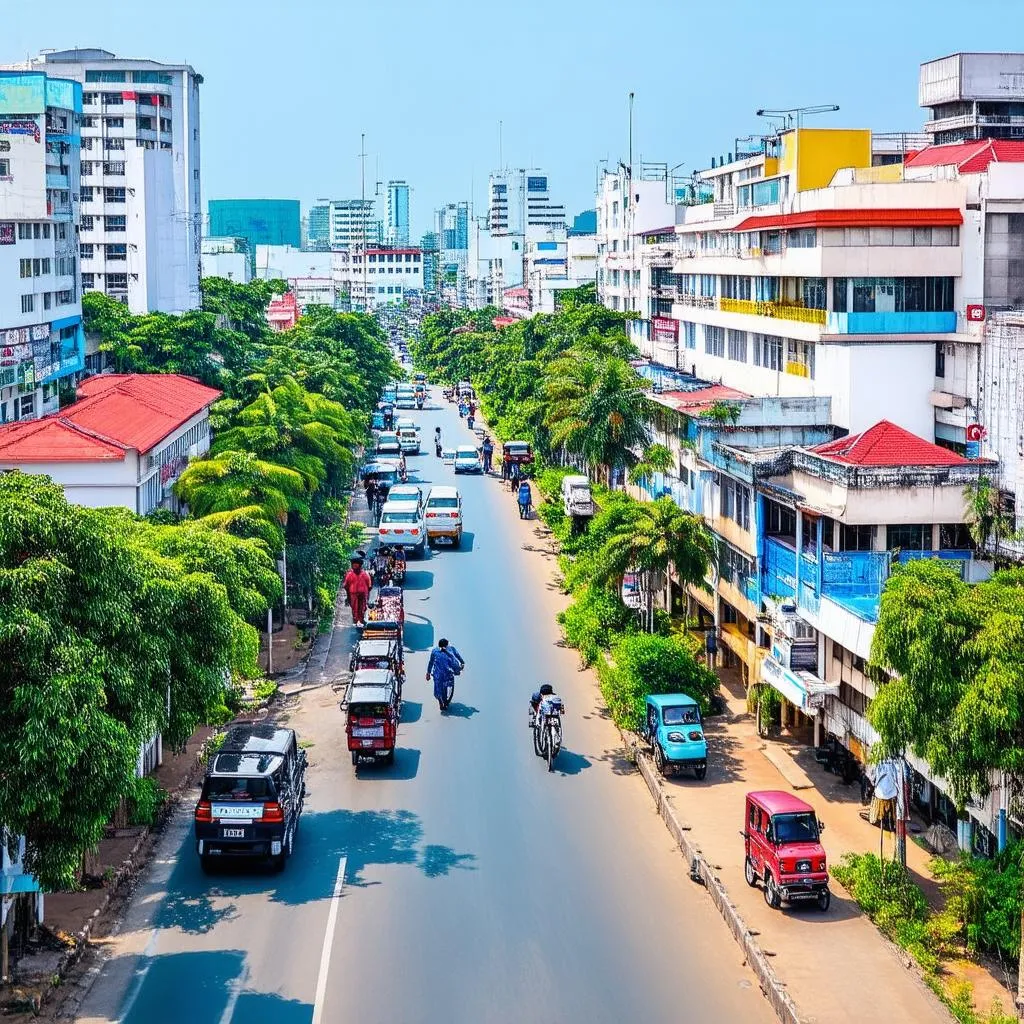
890,323
698,301
776,311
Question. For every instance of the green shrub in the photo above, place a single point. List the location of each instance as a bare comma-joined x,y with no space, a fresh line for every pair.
647,663
145,801
264,690
593,620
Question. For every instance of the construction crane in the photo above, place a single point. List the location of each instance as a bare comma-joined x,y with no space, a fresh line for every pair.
796,114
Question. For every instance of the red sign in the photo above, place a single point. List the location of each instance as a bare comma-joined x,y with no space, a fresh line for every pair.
976,314
975,432
664,330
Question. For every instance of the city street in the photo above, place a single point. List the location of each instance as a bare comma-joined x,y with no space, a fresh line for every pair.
465,882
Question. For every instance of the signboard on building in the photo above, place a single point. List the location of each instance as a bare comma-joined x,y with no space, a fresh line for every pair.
782,679
632,595
7,232
20,128
976,314
974,434
664,330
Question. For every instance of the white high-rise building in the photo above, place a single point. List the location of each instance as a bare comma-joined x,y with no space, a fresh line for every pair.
519,199
140,185
351,223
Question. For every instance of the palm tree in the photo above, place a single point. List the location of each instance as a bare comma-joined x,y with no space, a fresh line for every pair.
655,536
656,459
598,409
984,513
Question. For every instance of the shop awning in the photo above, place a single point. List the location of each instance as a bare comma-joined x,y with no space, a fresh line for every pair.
804,690
906,218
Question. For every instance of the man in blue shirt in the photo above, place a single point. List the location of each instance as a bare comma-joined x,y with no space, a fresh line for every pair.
444,665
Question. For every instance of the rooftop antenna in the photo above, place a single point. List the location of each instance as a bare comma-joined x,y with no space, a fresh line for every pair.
791,115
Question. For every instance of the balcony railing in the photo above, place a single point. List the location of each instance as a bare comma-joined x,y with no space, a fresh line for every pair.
775,310
698,301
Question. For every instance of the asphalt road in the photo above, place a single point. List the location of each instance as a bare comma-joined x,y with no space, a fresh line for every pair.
465,883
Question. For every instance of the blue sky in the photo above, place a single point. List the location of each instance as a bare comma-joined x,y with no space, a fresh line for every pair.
290,86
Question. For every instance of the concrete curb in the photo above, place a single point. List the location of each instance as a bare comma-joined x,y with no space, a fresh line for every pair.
772,986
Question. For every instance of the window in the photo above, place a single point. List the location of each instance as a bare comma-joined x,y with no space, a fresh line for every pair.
65,298
86,168
151,78
955,537
117,281
113,195
144,123
800,358
24,231
733,566
768,351
113,122
113,144
5,168
88,282
114,167
779,521
738,346
47,299
802,238
856,538
106,76
813,292
28,303
909,537
940,360
86,194
87,223
117,251
714,341
113,99
690,334
26,268
88,122
90,97
115,223
734,502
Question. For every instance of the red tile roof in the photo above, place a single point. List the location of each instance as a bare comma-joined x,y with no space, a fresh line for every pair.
969,157
696,403
138,409
114,414
886,444
908,218
53,439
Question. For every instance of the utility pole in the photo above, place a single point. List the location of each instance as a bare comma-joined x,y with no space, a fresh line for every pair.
362,215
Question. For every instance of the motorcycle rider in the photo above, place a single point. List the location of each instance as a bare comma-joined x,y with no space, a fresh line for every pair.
545,692
444,665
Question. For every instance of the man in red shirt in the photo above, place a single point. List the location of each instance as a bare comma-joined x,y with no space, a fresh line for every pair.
357,590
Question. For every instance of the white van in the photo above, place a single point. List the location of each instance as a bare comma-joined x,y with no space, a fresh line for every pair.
443,516
409,439
576,497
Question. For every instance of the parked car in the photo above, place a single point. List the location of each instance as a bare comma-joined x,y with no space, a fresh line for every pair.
673,728
782,837
407,492
388,444
401,523
409,440
467,459
443,516
252,796
405,399
576,497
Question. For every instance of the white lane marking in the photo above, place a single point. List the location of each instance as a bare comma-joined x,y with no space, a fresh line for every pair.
236,991
140,975
325,953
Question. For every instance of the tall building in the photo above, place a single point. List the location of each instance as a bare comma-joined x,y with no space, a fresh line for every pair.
973,96
351,223
43,343
318,227
431,260
451,224
141,217
519,199
397,230
259,221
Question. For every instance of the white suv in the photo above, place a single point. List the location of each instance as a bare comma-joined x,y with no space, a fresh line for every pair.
401,523
443,515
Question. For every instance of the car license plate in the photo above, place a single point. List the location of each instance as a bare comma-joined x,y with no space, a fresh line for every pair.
367,743
444,540
234,833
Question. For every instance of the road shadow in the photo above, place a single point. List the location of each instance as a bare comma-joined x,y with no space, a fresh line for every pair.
418,579
404,767
412,711
196,903
569,762
466,543
618,760
458,710
418,633
208,978
441,860
724,748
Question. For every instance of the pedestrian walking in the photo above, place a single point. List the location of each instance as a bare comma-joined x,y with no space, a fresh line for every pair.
488,451
357,590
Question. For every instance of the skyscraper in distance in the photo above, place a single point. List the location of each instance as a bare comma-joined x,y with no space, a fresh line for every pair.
397,228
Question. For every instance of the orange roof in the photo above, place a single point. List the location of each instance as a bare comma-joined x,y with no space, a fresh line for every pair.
912,218
886,444
969,157
696,403
138,410
54,439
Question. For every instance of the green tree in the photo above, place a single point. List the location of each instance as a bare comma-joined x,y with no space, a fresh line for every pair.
99,634
656,459
985,514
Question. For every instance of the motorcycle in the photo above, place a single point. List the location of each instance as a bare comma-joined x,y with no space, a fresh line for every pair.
546,723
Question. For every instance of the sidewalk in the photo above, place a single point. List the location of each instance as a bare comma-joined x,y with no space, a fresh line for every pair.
859,959
69,917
